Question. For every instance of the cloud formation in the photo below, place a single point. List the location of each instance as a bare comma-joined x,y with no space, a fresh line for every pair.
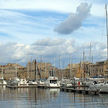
49,48
22,53
74,21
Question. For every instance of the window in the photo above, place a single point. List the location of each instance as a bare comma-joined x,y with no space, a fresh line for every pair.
53,81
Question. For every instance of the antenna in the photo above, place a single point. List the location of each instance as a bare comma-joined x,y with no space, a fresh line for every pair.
106,28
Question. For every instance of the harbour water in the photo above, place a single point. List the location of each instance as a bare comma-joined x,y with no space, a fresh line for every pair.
49,98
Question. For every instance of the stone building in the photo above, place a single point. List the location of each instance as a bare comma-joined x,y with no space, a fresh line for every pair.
39,70
97,69
11,70
105,68
75,70
80,70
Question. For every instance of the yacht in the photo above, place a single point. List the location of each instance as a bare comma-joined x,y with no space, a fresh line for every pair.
41,83
32,82
22,83
66,83
93,80
101,87
52,82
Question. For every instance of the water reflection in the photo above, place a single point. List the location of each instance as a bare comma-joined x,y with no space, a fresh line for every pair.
89,101
48,98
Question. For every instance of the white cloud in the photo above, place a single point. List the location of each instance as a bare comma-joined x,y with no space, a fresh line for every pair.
98,10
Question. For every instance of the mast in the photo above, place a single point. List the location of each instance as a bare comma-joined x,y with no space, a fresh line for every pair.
28,69
90,53
45,68
54,68
2,72
84,64
70,67
106,28
16,70
60,68
35,67
90,61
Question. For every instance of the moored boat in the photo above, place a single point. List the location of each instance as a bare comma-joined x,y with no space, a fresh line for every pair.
17,83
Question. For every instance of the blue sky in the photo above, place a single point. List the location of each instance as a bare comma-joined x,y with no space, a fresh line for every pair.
27,29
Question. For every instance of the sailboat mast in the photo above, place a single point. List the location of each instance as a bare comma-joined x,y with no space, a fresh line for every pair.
106,27
90,61
83,64
54,68
60,67
45,68
35,63
90,53
16,71
2,72
70,67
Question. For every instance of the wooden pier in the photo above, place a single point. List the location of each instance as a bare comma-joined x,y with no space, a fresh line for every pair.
80,90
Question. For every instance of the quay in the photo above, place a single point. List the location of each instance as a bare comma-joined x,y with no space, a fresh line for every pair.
45,87
30,86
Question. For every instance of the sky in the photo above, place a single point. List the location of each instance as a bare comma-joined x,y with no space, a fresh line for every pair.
49,30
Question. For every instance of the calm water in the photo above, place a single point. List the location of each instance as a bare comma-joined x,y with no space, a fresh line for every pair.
48,98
